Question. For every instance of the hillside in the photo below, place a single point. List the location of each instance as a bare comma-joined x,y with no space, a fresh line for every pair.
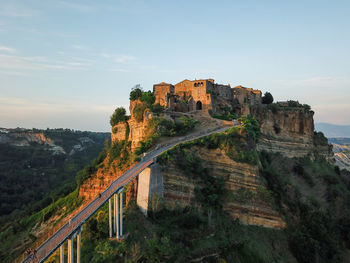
38,167
266,190
341,149
333,130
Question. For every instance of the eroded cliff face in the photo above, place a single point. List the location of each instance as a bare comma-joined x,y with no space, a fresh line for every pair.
241,178
289,132
133,130
342,155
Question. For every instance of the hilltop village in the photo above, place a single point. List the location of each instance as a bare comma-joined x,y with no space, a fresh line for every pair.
220,163
205,95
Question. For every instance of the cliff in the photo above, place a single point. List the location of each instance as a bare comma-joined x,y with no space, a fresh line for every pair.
134,129
342,155
289,132
244,198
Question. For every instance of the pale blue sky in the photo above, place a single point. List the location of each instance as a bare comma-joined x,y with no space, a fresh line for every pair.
70,63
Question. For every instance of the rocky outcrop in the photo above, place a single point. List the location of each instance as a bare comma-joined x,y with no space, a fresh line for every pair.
119,132
133,130
342,155
25,138
179,188
289,132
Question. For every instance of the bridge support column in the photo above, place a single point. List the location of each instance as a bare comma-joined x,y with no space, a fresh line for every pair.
78,245
70,250
62,253
116,215
110,217
121,215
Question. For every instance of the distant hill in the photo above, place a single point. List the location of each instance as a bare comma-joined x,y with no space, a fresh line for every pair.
341,149
333,130
38,166
341,141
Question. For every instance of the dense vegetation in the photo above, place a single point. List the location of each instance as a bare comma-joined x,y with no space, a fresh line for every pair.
28,174
119,115
291,105
314,196
203,232
35,183
147,100
226,113
237,142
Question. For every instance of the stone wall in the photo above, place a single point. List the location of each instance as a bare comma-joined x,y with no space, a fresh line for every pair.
205,95
162,92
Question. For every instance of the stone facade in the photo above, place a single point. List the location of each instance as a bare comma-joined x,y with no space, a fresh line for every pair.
206,95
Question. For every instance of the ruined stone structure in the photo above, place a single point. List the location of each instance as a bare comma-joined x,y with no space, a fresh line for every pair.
206,95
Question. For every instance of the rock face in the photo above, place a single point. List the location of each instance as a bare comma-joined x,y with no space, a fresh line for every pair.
179,189
289,132
25,138
132,130
342,155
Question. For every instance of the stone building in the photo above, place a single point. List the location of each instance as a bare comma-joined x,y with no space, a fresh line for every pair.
205,95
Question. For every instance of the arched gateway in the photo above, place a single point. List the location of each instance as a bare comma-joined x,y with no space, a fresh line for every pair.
199,105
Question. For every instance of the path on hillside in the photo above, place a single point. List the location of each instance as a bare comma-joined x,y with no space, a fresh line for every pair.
57,239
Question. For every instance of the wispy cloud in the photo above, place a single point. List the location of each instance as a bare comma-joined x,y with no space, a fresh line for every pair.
11,62
124,59
7,49
119,70
18,11
80,47
67,106
119,58
76,6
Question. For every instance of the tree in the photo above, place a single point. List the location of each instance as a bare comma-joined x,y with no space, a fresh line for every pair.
148,98
267,98
119,115
136,92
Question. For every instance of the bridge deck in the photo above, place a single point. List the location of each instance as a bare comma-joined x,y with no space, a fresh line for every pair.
52,243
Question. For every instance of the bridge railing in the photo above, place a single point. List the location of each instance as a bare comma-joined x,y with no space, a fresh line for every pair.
66,229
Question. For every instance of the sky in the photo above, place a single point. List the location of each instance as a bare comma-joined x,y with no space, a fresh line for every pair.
69,64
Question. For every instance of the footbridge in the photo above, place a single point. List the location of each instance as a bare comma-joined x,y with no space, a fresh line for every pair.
113,194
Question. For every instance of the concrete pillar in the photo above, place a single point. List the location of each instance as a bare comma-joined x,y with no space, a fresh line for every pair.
62,253
116,200
78,245
150,183
70,250
110,217
68,253
115,214
121,215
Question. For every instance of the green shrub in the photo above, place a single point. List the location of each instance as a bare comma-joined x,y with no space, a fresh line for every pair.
306,107
139,111
148,98
119,115
267,98
136,92
274,107
293,103
319,139
251,126
157,108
